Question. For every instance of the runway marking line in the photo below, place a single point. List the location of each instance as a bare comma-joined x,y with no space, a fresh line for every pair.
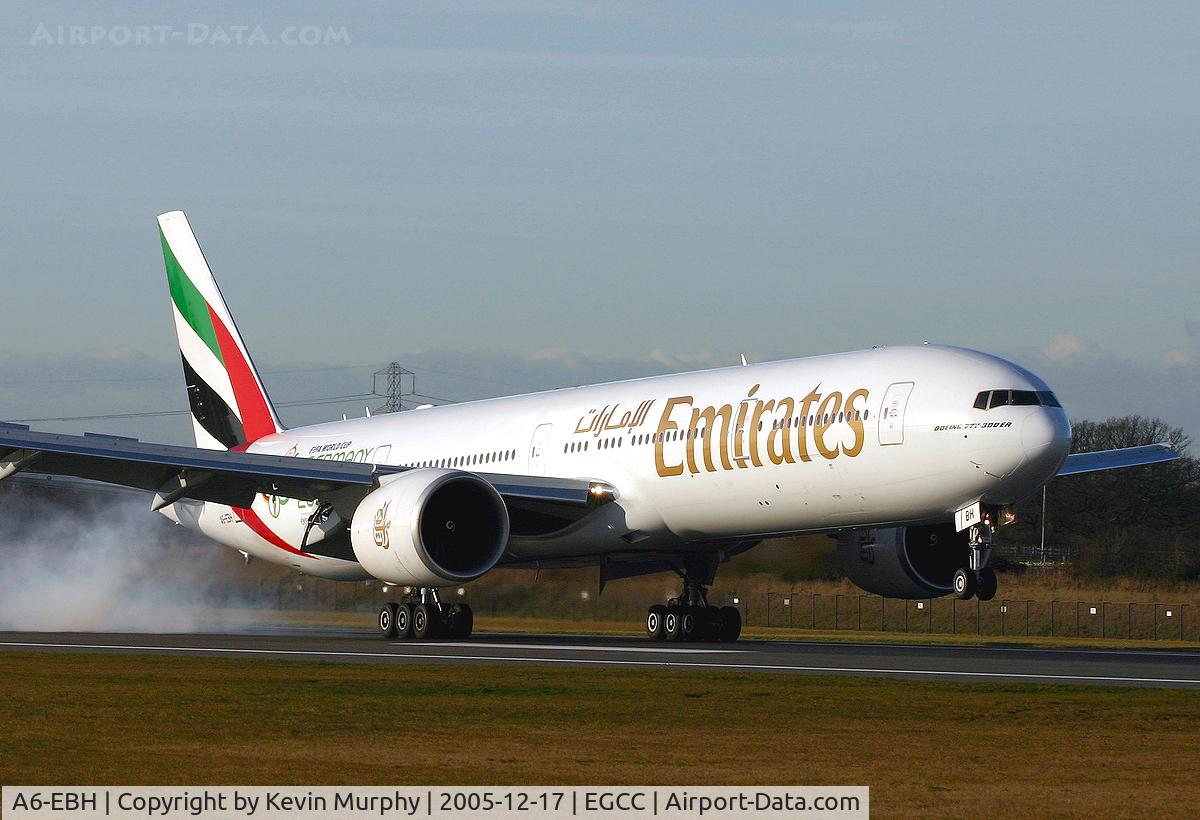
1116,650
604,662
570,648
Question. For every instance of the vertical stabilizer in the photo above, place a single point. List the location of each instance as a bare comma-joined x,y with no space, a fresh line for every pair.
229,404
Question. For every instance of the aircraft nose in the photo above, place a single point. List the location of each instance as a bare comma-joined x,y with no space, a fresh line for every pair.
1046,439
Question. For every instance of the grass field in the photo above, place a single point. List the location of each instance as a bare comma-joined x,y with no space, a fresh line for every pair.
925,748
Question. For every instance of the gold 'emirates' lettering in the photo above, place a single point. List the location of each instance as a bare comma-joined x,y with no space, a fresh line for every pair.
725,438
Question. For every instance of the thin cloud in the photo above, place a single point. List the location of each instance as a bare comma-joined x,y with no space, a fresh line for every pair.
1177,356
1065,347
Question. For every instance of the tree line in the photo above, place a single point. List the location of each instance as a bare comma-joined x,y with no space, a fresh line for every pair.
1140,522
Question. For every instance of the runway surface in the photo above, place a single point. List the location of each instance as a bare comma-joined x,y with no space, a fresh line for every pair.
1132,667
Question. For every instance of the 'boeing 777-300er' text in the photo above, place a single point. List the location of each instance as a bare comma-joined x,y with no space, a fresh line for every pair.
910,457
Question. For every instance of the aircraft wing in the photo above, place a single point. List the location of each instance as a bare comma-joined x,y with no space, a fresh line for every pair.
234,478
1116,459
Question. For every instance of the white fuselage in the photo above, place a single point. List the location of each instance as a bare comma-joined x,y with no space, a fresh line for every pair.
876,437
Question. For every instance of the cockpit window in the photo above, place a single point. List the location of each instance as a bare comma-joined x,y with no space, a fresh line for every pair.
988,399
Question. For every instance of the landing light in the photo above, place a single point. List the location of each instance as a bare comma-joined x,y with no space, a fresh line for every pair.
601,493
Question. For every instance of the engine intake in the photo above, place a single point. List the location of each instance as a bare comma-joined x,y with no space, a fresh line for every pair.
904,562
430,528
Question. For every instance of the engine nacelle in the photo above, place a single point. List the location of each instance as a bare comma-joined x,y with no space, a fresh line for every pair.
430,528
904,562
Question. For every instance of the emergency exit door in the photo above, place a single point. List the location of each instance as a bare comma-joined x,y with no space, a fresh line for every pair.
891,414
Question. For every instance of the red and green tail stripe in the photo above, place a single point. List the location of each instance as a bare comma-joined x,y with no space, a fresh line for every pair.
252,418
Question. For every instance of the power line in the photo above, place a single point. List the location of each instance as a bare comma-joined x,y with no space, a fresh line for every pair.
175,377
397,379
157,413
473,378
285,371
433,398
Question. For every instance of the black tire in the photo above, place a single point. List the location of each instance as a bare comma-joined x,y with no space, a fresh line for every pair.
423,622
964,584
710,624
689,624
387,621
987,584
463,621
404,622
731,623
672,628
655,616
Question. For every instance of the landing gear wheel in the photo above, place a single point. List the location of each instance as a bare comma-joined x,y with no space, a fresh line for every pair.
422,622
731,623
462,621
655,618
689,624
964,584
387,621
987,584
672,628
710,624
403,621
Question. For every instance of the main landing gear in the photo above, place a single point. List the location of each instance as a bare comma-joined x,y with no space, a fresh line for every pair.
420,616
691,618
977,580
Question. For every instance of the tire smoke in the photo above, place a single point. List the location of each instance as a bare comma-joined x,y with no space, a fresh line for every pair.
94,561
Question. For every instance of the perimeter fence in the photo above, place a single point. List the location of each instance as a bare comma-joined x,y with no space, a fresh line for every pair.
797,609
794,609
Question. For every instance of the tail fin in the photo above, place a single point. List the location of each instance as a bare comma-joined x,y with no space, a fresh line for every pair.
229,404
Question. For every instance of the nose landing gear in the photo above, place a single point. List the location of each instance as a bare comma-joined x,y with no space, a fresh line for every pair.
977,579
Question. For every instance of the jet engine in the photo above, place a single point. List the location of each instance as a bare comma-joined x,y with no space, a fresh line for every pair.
430,528
904,562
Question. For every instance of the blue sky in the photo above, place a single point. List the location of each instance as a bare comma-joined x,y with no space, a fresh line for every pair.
530,191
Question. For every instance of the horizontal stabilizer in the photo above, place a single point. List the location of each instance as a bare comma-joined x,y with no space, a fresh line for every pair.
1117,459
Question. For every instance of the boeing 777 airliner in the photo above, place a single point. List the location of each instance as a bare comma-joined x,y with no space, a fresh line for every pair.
910,456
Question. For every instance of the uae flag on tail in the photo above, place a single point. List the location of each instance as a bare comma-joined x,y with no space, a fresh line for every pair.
229,405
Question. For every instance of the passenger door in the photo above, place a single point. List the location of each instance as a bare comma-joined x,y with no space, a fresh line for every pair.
537,449
891,414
